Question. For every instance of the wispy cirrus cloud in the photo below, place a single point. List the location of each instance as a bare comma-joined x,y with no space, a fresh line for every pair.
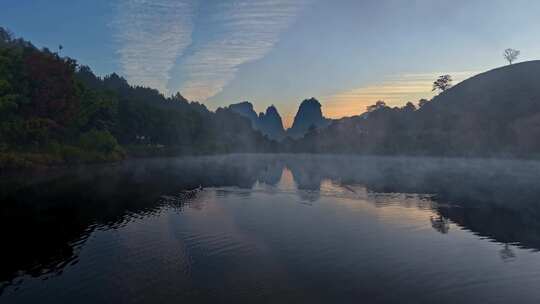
244,31
151,35
395,91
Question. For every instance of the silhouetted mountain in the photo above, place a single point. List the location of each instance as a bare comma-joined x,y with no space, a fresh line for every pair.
60,110
245,109
496,113
268,123
309,115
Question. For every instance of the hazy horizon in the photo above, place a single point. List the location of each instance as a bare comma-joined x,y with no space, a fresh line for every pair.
141,160
347,55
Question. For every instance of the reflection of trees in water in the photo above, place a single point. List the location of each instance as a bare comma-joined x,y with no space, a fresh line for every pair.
507,254
55,218
504,224
307,175
271,172
496,199
55,215
309,195
440,223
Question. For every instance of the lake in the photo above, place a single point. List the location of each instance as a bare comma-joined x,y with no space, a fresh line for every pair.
273,229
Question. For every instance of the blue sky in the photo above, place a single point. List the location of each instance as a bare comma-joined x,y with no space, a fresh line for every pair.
347,53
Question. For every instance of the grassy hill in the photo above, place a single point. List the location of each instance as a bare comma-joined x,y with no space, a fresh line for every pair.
496,113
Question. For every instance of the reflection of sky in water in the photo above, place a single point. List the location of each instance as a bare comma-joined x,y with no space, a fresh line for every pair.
295,235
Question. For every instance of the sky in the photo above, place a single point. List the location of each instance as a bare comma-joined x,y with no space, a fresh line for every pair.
346,53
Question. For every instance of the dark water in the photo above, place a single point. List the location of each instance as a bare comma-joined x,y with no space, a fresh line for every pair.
273,229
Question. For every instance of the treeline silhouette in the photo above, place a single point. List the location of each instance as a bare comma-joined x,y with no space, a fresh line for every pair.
493,114
54,111
58,210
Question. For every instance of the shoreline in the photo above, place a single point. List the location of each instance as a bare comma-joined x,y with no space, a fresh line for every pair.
11,161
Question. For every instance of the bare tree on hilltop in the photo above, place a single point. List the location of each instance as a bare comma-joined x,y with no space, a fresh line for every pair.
511,55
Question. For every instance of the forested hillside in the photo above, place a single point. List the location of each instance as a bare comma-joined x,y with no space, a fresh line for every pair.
493,114
53,111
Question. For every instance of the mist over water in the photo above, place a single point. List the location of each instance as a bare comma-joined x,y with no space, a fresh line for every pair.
268,228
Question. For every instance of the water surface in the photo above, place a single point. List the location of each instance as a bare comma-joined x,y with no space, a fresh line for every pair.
273,229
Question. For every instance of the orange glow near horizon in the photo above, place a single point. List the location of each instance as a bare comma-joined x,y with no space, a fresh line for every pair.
288,120
395,91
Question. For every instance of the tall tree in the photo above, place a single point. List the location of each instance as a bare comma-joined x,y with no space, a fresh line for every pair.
422,102
442,83
511,55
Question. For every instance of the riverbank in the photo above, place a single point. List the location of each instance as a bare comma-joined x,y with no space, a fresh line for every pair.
13,160
65,155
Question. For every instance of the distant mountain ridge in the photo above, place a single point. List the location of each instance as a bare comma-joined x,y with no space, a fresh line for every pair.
245,109
309,115
270,123
63,113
